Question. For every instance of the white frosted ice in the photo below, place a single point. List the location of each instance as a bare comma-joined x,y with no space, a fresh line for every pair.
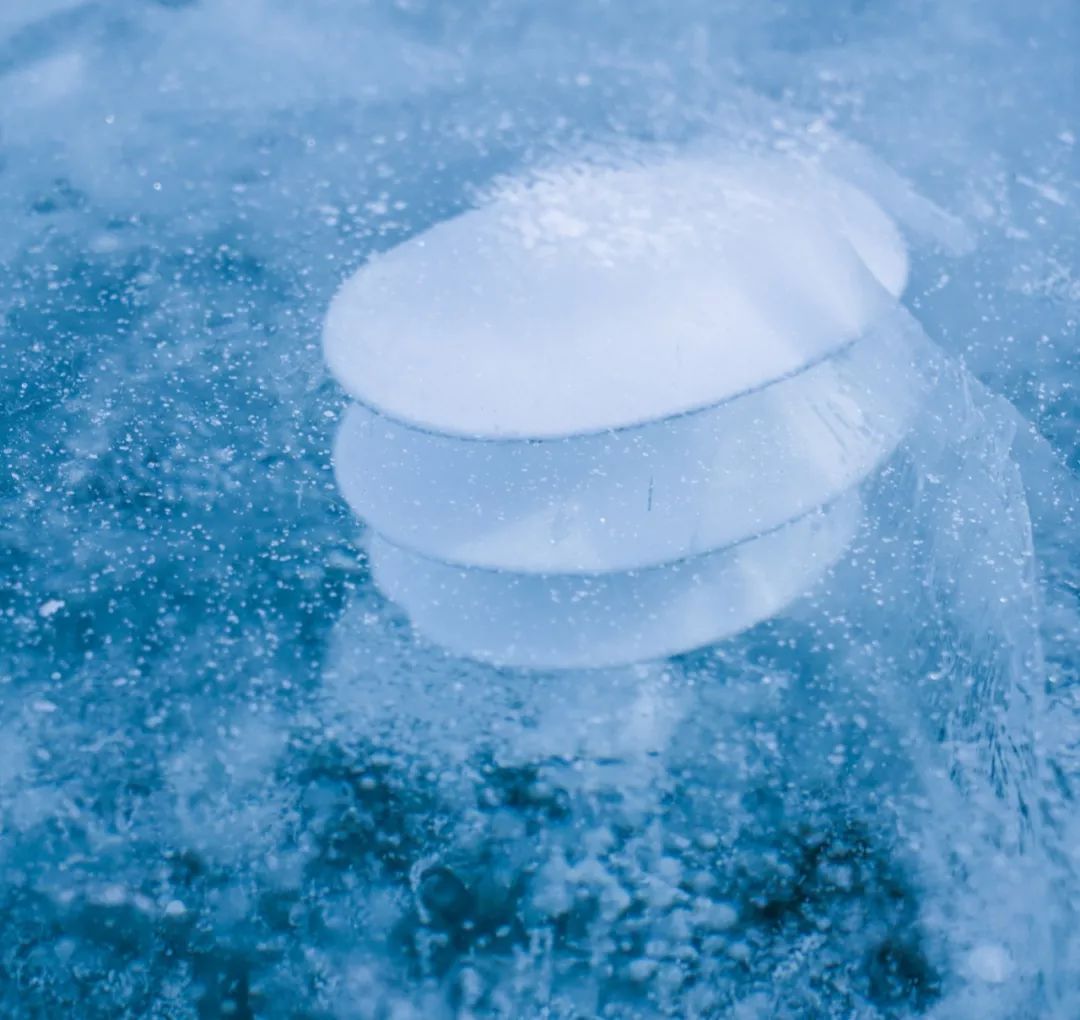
597,297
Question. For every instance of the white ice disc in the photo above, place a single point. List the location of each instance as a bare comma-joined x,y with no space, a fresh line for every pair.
596,297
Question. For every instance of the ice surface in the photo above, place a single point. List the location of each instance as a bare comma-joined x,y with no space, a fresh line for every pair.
232,780
601,297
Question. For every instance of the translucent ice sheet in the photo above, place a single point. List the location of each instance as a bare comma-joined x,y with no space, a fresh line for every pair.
234,782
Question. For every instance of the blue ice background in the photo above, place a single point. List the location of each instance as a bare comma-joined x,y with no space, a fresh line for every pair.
183,185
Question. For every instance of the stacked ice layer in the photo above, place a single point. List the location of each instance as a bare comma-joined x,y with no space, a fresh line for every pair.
616,413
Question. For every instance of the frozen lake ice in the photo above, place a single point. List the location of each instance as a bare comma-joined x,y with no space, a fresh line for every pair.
234,781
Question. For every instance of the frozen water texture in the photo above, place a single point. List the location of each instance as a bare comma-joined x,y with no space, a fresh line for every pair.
233,782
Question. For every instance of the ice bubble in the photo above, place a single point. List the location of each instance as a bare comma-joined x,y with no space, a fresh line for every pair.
619,617
990,963
175,908
639,496
618,412
600,297
50,607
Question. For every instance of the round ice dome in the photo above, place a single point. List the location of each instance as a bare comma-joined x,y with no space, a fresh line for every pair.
597,297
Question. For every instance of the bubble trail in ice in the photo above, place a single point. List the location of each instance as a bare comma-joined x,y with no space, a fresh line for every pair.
617,412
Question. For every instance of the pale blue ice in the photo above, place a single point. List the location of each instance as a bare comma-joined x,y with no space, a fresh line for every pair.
237,780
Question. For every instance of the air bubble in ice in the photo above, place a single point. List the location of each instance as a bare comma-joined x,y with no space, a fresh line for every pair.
617,412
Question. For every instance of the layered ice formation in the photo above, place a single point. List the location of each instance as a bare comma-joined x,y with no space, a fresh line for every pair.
618,412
